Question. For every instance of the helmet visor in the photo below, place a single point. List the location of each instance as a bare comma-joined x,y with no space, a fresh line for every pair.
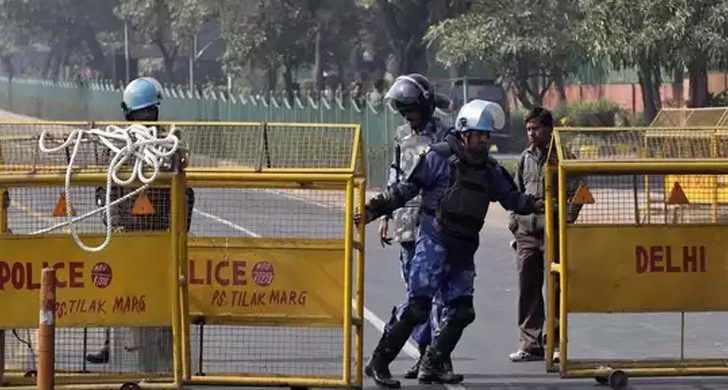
403,93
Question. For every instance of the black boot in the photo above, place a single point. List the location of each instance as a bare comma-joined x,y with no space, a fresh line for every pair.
433,370
394,339
380,346
378,366
412,372
448,365
101,357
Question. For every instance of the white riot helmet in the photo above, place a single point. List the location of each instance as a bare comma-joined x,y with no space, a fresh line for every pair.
480,115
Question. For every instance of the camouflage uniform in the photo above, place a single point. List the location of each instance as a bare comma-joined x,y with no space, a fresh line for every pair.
447,238
411,146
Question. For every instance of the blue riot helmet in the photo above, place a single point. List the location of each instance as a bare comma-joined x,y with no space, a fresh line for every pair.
141,93
480,115
412,92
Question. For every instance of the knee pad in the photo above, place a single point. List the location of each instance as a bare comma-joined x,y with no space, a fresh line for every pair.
417,310
463,310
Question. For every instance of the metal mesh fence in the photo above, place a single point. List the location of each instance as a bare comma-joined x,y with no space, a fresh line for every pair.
32,209
220,349
292,146
19,148
290,350
217,212
241,146
646,336
128,350
654,199
721,143
145,350
705,117
257,212
20,151
690,117
642,143
218,145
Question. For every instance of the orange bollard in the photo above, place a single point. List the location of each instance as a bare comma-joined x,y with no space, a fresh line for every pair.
46,330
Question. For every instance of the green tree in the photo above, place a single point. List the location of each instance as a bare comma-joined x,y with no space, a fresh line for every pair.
267,35
12,37
406,22
68,27
170,25
702,41
640,34
529,43
337,31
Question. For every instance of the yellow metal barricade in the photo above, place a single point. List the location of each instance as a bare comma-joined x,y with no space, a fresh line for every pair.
691,117
608,257
691,133
124,296
272,289
273,256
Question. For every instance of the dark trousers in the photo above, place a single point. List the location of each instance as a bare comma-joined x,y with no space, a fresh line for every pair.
531,263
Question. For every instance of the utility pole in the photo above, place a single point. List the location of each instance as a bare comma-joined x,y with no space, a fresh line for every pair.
126,50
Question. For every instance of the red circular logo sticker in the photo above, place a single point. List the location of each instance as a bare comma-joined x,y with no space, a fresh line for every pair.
101,275
263,273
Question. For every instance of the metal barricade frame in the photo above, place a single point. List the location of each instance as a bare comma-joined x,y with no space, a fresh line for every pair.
563,166
349,180
100,380
223,167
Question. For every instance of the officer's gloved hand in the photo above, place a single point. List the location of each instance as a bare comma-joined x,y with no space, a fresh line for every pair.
366,217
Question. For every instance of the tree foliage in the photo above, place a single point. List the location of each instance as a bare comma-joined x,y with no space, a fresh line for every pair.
265,34
530,44
533,45
406,22
638,34
657,35
68,27
168,24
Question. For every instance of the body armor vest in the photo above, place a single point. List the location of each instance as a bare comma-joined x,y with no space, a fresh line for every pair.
409,149
464,204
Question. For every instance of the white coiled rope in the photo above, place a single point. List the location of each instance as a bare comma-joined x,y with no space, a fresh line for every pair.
136,141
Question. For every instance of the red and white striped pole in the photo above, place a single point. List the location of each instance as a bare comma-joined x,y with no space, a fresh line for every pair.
46,330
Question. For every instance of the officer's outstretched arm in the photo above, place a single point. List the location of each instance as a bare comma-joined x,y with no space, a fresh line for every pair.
396,195
391,199
505,192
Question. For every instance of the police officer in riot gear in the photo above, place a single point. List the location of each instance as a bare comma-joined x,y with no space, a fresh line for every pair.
458,180
140,103
413,96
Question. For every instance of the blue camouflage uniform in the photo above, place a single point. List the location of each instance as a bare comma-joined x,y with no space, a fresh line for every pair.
430,274
405,218
454,205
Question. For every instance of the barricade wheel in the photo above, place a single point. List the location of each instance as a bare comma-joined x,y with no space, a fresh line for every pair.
618,380
299,388
602,380
130,386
